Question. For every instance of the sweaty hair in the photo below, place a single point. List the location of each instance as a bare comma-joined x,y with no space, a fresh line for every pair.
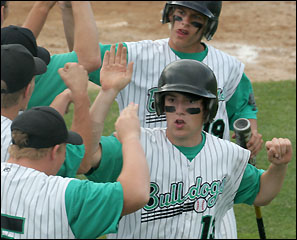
17,151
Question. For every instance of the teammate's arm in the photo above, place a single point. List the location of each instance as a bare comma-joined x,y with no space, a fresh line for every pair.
242,105
134,177
37,16
279,153
76,78
86,36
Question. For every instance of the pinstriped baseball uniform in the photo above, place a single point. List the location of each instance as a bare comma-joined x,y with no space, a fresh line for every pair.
187,198
46,196
150,58
5,137
34,205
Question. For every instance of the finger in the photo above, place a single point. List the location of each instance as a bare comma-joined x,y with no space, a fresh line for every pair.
106,58
233,136
124,56
112,54
119,53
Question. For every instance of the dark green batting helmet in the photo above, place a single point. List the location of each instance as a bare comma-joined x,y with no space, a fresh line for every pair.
210,9
188,76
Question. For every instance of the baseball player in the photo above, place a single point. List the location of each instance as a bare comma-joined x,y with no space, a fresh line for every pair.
37,204
48,206
190,22
195,176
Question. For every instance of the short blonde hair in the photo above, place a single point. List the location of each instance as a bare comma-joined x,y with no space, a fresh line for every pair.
10,99
17,149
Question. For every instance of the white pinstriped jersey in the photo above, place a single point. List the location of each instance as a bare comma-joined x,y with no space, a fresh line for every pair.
38,198
150,58
187,198
5,137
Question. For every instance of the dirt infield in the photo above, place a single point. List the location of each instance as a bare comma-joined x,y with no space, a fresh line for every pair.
261,34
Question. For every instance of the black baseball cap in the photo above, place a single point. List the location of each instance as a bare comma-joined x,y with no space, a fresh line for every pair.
18,67
45,128
24,36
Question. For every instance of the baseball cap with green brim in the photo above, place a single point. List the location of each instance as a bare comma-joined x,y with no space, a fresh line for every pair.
45,128
18,67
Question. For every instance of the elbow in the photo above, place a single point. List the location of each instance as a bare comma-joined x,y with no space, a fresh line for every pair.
90,63
93,64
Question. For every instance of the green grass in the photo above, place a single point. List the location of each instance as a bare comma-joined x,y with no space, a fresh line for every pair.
276,102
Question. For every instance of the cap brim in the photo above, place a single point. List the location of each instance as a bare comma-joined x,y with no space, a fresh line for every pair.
74,138
40,66
43,54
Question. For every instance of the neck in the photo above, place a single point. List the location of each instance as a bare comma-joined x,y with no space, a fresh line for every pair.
11,112
41,165
199,47
184,141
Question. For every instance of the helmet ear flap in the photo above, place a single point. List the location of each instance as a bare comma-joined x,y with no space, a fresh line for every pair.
211,29
159,103
212,108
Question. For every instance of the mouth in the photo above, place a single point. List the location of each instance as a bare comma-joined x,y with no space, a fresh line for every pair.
182,32
179,123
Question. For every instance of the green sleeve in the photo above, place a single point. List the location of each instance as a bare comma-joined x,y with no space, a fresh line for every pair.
111,161
93,209
73,158
242,103
50,84
249,186
95,76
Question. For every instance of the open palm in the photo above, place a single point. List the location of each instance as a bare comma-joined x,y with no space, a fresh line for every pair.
115,74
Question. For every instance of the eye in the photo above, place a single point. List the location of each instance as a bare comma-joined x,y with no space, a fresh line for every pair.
170,99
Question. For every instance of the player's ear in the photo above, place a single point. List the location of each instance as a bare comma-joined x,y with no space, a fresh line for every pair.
54,152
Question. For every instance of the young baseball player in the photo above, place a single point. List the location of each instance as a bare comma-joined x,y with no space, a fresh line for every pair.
48,206
37,204
17,84
195,176
190,22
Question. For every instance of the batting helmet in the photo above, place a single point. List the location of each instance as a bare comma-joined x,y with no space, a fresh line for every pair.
188,76
210,9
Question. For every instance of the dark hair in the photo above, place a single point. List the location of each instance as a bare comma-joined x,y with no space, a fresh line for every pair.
4,3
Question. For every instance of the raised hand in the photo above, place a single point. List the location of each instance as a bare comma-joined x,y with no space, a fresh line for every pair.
279,151
115,74
75,77
127,125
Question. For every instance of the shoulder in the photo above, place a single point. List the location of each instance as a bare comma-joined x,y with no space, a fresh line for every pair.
5,126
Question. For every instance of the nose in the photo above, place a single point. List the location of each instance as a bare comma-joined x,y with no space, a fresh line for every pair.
186,20
180,108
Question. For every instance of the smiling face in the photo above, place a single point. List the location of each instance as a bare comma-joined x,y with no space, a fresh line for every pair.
187,29
184,121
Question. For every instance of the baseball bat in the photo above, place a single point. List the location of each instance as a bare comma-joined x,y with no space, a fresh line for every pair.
242,129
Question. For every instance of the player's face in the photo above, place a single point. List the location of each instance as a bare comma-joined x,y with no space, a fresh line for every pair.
187,30
184,120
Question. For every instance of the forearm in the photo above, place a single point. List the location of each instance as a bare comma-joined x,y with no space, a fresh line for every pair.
134,177
82,125
62,101
68,23
254,125
270,184
37,16
98,114
86,36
